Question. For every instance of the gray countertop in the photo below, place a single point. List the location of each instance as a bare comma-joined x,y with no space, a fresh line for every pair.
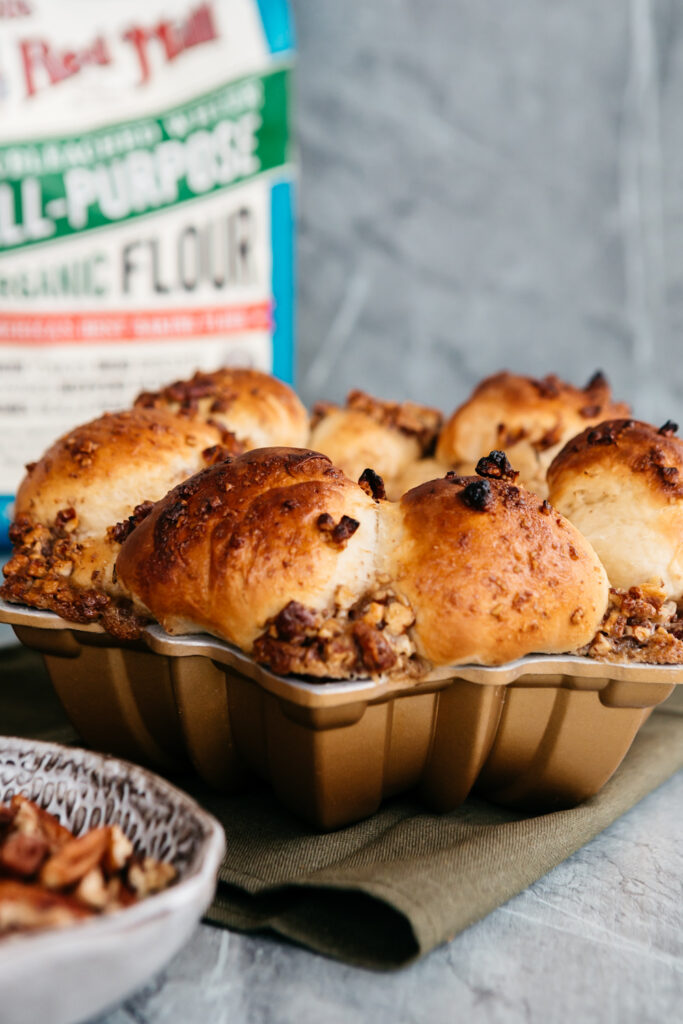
600,938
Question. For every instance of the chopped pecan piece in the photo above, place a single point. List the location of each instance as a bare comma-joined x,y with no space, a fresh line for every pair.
339,532
22,855
497,466
372,484
49,878
668,429
477,495
376,651
75,859
150,876
294,620
32,820
30,907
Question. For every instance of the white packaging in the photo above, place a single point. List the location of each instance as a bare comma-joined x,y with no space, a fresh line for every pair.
145,204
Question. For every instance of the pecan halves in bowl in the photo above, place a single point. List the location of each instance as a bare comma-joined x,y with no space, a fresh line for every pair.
51,878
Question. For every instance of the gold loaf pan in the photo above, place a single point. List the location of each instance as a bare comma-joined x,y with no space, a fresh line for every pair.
541,733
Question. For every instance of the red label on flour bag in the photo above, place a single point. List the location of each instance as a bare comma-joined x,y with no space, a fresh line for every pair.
145,204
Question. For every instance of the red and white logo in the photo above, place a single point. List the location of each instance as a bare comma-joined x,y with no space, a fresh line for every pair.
46,65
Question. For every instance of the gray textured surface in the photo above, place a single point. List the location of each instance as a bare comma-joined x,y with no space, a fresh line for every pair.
489,184
598,940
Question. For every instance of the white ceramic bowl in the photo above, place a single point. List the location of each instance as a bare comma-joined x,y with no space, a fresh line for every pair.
67,975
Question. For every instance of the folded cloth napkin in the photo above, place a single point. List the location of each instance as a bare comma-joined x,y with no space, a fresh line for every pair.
387,890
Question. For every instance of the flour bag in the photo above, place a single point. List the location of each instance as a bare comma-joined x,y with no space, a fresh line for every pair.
146,205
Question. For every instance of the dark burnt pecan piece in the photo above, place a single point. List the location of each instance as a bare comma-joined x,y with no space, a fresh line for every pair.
120,531
496,465
477,495
372,484
340,532
597,382
668,429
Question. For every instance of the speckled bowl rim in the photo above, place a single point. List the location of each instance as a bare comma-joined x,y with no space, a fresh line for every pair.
185,891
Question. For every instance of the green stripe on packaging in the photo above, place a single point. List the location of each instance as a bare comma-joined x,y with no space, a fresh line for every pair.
61,186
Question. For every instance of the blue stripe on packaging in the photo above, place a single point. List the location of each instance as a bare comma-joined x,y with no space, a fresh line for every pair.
278,24
6,502
283,232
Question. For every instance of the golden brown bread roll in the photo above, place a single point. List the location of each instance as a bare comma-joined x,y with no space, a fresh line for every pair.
388,437
278,552
491,572
530,419
65,532
264,551
258,409
621,484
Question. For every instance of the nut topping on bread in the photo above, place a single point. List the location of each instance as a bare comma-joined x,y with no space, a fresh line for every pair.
82,498
640,625
531,419
278,552
386,437
255,408
92,487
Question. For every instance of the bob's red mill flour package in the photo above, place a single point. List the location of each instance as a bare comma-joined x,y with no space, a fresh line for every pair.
145,204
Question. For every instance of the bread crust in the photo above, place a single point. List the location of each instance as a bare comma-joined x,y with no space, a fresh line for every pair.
227,550
247,550
65,532
367,432
258,409
530,419
492,573
621,484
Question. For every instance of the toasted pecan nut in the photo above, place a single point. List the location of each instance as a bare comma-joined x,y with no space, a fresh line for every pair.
32,820
22,855
30,907
95,892
149,876
76,859
42,857
119,851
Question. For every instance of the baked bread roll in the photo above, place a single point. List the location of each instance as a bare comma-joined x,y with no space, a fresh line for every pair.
278,552
490,572
530,419
387,437
259,410
72,509
621,484
274,551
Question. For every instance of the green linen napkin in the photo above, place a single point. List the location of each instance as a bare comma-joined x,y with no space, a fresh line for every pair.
387,890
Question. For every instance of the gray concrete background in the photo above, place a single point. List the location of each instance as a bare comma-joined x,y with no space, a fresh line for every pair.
488,185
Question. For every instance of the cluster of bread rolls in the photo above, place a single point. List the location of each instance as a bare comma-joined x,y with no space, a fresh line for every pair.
407,444
77,504
215,505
